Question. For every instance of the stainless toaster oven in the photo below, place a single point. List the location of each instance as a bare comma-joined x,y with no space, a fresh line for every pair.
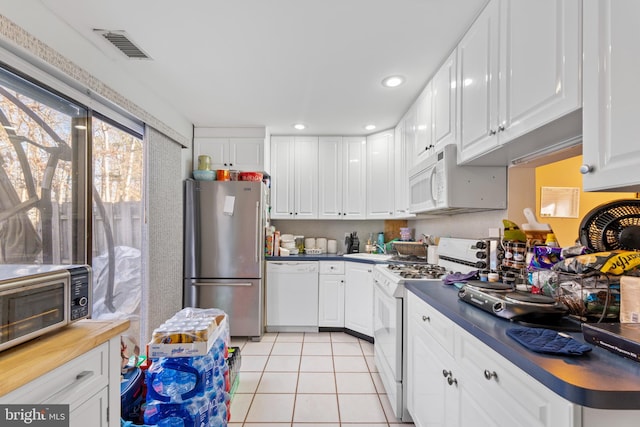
36,299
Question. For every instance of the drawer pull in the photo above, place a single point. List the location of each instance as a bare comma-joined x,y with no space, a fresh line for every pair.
446,373
452,380
426,319
80,378
490,374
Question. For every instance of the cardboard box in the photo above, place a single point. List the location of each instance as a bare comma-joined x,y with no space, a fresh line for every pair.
189,349
629,299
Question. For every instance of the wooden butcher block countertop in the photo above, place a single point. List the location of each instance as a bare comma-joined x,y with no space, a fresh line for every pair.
30,360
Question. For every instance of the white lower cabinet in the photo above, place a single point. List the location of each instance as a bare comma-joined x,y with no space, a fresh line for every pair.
432,393
455,380
358,298
504,394
89,384
331,294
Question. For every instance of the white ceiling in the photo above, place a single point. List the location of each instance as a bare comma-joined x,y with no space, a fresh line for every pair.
258,62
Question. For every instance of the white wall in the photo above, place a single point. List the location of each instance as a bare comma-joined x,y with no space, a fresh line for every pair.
472,225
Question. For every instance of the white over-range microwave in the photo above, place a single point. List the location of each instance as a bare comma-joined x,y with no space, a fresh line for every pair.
437,185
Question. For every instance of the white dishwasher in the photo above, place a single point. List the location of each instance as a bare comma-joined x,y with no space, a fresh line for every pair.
292,296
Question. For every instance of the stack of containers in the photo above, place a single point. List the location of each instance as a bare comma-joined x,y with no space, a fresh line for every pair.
188,380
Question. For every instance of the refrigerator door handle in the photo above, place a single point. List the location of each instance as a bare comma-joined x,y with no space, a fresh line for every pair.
258,239
221,284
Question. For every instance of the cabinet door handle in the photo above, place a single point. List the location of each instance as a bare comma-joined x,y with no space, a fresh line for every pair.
585,169
426,319
492,132
490,374
80,378
452,380
446,373
501,128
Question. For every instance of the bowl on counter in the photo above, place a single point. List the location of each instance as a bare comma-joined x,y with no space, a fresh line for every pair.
204,175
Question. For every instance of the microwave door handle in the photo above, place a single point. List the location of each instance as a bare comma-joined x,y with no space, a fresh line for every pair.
433,184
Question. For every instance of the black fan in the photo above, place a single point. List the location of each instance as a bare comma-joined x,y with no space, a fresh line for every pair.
611,226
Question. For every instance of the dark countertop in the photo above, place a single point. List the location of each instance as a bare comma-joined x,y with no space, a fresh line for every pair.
600,379
322,257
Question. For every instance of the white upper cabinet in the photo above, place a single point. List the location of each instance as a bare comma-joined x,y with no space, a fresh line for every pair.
244,154
231,148
401,173
294,177
424,123
478,77
611,152
519,70
342,179
409,132
354,177
444,86
330,177
380,176
540,63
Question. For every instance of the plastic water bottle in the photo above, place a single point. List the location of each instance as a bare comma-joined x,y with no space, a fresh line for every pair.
171,422
216,419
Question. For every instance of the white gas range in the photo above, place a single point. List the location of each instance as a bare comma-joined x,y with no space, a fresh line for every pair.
458,255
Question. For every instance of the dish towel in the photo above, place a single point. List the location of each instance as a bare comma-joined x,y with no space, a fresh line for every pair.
454,278
548,341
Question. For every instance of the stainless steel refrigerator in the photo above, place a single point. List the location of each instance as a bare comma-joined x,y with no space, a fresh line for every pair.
224,251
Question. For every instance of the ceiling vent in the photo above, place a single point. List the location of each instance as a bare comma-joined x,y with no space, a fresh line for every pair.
121,41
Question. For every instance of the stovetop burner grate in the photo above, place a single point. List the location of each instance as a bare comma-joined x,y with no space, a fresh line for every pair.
418,271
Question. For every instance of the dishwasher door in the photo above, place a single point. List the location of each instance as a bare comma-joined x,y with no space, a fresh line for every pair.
292,296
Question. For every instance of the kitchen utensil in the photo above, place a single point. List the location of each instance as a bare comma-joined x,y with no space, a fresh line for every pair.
352,243
332,246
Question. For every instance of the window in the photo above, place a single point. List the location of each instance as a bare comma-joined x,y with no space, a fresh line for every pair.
117,157
43,175
57,156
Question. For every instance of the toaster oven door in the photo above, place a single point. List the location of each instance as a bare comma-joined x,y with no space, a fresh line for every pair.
30,310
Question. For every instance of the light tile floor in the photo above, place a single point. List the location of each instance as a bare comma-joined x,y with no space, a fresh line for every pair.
326,379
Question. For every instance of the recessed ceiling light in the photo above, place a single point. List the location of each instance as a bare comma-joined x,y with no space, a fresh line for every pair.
370,127
392,81
299,126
